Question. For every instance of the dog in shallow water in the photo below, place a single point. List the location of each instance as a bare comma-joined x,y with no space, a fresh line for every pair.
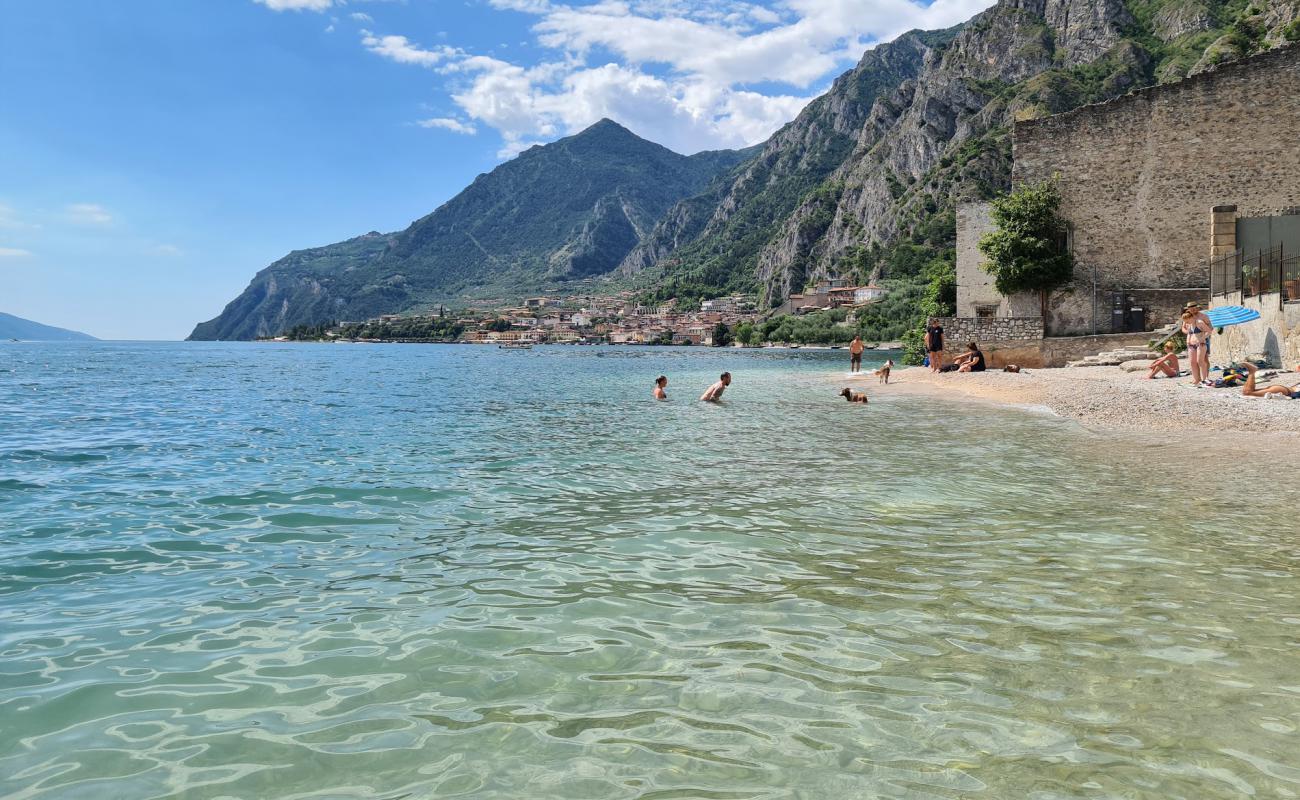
852,396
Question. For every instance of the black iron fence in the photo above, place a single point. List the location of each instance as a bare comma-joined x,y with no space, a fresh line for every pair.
1291,279
1258,272
1225,273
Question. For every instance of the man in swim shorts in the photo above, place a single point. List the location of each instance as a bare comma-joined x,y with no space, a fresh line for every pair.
855,354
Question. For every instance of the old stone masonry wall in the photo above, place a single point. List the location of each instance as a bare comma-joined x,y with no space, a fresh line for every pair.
959,331
1018,337
1139,175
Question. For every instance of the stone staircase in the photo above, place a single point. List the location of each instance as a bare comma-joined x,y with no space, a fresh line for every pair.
1130,353
1113,358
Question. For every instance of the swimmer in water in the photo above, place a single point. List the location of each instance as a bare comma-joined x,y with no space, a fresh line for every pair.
714,393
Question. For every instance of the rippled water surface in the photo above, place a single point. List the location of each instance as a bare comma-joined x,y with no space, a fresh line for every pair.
264,571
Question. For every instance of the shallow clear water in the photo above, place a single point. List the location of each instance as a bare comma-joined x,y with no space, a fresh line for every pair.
264,571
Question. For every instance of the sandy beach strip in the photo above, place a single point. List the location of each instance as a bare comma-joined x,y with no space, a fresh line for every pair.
1107,398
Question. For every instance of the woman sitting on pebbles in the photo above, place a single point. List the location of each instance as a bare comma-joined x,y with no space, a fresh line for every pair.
1167,364
970,361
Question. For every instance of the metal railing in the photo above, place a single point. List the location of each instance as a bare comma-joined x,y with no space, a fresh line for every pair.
1291,279
1225,274
1260,272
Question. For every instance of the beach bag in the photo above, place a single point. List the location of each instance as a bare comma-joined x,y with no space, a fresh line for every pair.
925,362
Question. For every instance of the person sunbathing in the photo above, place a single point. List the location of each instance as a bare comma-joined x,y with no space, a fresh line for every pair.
852,396
1167,364
1250,390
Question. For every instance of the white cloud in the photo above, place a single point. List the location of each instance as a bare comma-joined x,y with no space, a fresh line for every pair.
403,51
296,5
13,252
684,73
9,219
168,250
361,16
448,124
88,214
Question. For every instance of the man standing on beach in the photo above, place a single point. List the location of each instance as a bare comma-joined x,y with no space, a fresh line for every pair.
934,346
855,354
714,393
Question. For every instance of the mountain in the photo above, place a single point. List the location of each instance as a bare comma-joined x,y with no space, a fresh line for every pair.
12,327
864,180
553,216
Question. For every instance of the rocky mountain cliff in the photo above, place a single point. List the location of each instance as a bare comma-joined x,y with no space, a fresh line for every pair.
862,182
568,210
921,122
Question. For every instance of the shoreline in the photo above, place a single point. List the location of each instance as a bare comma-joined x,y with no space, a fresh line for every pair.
1105,398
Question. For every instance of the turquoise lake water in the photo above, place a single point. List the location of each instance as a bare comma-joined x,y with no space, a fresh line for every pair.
328,571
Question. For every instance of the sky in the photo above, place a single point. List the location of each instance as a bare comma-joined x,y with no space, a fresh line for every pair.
155,154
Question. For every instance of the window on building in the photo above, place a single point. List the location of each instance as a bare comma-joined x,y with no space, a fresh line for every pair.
985,310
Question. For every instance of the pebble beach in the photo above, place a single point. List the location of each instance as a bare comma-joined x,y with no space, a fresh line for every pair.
1106,397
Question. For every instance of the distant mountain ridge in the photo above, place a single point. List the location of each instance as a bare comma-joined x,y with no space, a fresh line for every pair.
12,327
863,182
556,213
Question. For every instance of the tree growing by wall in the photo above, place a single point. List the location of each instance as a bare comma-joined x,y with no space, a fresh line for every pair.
1026,250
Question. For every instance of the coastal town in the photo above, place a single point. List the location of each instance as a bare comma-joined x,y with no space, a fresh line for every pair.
614,319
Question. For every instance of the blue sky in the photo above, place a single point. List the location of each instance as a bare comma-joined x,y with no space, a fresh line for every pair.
154,154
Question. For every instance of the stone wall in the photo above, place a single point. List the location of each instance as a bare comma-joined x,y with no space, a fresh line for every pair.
974,285
1141,176
1004,340
1020,340
1275,335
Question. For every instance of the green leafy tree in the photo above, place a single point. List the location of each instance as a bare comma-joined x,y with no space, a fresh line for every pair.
721,335
745,334
1026,251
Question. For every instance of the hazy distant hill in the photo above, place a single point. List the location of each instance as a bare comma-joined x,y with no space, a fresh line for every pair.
12,327
568,210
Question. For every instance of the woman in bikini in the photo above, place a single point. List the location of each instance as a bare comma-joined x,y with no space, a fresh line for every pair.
1292,392
1197,336
660,384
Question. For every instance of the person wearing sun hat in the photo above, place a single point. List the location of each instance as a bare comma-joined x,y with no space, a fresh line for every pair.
1200,322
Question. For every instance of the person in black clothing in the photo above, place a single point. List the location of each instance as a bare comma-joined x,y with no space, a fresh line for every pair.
970,361
934,346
